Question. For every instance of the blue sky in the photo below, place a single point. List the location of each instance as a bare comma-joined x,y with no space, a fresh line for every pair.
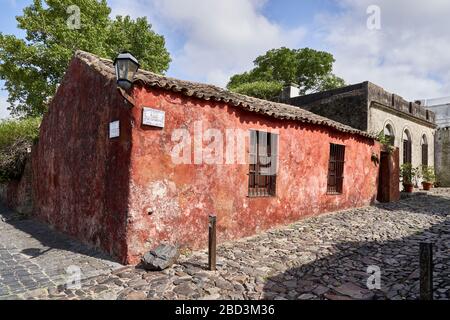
209,40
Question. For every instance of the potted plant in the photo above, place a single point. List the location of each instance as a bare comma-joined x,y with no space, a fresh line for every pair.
407,173
386,142
428,177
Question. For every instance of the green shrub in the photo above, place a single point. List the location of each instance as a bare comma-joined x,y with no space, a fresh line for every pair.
407,173
386,142
16,137
428,174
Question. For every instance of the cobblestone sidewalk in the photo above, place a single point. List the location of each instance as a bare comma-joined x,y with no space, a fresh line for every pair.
324,257
33,257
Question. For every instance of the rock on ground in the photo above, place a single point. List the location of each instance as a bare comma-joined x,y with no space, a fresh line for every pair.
160,258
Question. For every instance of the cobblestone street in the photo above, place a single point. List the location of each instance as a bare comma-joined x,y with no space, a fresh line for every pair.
324,257
34,258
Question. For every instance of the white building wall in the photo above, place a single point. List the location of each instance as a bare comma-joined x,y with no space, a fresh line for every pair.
378,119
441,107
442,114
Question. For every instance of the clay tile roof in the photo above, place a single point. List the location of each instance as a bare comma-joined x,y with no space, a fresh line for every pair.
211,92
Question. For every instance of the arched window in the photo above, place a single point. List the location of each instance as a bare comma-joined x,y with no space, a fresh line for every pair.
424,143
407,147
389,134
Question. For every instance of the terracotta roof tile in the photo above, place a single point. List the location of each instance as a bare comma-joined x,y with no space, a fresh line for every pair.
211,92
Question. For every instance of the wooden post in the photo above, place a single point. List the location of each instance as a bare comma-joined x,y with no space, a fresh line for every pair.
426,271
212,242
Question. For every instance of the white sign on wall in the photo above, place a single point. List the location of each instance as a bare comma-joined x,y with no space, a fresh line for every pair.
114,129
153,117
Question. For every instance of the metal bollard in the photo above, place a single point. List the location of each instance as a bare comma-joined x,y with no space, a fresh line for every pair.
426,271
212,243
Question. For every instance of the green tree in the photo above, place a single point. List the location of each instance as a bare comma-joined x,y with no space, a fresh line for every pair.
308,68
32,67
331,82
267,90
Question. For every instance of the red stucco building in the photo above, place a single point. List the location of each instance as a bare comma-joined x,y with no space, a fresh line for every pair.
155,183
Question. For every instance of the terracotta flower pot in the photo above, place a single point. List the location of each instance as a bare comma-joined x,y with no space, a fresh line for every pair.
427,185
409,187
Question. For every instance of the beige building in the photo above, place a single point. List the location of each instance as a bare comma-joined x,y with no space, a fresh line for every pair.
370,108
414,137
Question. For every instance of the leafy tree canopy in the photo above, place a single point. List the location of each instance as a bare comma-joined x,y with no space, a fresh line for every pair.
32,67
311,70
267,90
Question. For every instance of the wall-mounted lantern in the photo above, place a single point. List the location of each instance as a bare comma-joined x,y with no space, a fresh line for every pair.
126,67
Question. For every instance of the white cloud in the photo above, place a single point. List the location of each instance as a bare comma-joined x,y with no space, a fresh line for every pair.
213,39
220,37
4,113
409,55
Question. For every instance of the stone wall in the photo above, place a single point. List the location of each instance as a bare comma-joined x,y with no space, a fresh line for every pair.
442,145
398,104
350,105
347,105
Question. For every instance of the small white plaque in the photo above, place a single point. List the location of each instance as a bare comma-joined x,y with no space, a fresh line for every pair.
114,129
153,117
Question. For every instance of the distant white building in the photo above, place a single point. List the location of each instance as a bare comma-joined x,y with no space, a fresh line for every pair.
441,107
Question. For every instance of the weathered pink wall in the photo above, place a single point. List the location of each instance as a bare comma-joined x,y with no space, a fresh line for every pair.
80,176
181,196
101,190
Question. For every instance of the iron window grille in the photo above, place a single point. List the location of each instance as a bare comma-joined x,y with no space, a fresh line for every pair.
263,164
336,169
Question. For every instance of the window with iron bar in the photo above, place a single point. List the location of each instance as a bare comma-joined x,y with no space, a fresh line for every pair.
263,164
425,154
336,169
407,151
